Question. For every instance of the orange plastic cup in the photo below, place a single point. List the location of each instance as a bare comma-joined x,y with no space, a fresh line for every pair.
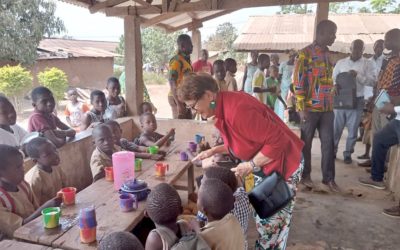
68,195
88,235
161,169
109,173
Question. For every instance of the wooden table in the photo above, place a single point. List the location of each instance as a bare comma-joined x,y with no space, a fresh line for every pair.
17,245
102,195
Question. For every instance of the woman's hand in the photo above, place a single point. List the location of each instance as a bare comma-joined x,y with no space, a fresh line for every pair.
243,169
204,155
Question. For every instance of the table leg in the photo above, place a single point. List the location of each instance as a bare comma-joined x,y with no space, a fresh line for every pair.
191,179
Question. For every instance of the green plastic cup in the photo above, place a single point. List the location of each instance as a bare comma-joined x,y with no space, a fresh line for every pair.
153,150
51,217
138,164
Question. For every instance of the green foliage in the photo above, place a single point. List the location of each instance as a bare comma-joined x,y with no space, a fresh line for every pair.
23,23
341,8
56,80
15,81
382,6
152,78
157,47
297,9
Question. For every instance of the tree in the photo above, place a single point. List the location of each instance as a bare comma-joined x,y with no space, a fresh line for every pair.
23,23
297,9
157,46
364,10
382,6
15,82
54,79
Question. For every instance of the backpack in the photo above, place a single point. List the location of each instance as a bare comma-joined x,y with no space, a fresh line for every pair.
7,201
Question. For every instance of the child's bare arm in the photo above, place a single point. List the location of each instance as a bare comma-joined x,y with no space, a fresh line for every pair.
165,138
55,202
69,132
57,140
153,242
68,121
86,121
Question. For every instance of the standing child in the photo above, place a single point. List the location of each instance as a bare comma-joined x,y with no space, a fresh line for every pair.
163,206
215,200
46,178
259,79
17,203
231,69
75,110
140,151
219,75
116,105
44,120
272,82
249,72
96,115
149,136
10,133
146,107
102,155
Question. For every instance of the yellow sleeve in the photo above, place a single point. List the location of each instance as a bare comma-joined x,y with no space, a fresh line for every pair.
35,183
9,222
258,81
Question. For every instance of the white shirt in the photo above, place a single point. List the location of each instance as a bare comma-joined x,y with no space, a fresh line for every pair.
397,110
366,72
13,139
369,91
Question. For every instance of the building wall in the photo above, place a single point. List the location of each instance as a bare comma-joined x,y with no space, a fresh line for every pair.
83,72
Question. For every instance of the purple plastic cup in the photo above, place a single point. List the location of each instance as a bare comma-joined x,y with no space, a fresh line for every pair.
184,156
192,146
87,217
126,202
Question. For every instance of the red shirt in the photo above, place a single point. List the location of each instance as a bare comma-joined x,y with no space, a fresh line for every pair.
248,127
202,66
42,122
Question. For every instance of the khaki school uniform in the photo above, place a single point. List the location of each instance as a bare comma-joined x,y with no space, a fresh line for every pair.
231,81
99,161
216,236
45,185
15,207
222,86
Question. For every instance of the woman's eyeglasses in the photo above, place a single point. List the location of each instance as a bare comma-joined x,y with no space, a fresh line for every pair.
193,107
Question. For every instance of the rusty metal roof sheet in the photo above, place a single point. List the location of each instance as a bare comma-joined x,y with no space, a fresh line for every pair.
283,32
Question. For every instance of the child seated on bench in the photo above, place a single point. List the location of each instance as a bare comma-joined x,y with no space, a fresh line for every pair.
102,155
46,178
17,203
140,151
146,107
97,114
120,241
44,120
149,136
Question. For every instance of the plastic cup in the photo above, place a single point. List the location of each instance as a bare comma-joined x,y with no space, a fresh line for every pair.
87,217
126,202
109,173
153,150
68,195
198,138
138,164
184,156
192,146
161,169
88,235
51,217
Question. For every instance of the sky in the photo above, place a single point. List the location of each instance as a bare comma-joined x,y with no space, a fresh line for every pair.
80,24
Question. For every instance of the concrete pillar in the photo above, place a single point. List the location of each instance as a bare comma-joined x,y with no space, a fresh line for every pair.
322,14
196,40
133,64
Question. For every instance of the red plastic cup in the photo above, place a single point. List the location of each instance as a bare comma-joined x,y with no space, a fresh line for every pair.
109,173
68,195
88,235
161,169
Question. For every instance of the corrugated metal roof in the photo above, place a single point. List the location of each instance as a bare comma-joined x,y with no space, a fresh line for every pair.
79,48
282,32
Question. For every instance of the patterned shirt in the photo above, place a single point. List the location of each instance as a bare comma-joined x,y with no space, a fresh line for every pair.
312,78
390,73
179,65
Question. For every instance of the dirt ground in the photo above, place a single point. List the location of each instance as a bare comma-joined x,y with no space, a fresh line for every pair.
321,221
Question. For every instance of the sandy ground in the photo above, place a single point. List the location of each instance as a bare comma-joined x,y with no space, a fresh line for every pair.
351,220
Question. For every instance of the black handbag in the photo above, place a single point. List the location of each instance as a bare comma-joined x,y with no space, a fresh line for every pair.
271,195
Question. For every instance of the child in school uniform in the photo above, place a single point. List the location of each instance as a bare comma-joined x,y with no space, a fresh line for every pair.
231,69
17,203
146,107
149,136
215,201
46,178
120,241
272,82
96,115
102,155
219,75
10,133
241,206
163,207
75,110
43,119
116,105
124,144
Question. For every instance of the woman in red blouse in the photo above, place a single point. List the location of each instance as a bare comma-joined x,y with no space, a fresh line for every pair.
254,134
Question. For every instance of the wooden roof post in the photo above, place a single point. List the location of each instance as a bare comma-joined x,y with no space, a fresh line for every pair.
196,40
322,14
133,64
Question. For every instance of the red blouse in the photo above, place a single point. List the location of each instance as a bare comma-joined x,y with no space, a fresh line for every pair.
248,126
